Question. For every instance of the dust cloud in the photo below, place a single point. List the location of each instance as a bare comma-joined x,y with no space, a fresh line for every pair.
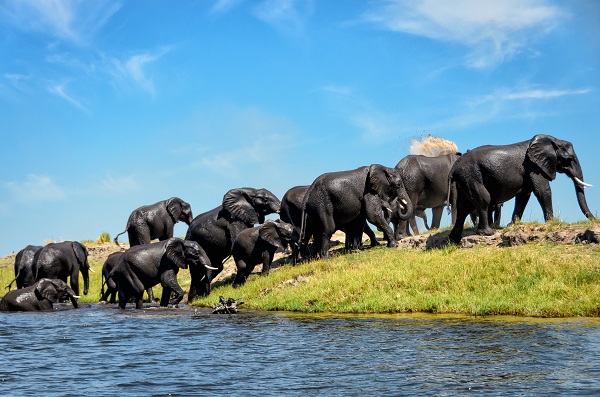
431,146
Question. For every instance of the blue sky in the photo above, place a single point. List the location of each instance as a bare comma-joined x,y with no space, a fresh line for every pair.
110,105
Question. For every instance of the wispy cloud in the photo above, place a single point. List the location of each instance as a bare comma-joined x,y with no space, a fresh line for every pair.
70,20
59,89
284,15
223,6
36,188
493,31
514,95
133,69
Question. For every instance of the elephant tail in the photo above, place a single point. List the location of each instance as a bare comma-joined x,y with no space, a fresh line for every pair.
116,239
9,286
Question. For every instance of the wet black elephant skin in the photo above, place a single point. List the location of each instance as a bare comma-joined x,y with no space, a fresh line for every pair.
38,297
426,182
24,276
156,221
63,260
144,266
490,175
258,245
216,230
345,200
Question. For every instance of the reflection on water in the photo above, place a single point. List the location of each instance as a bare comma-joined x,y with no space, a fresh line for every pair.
100,350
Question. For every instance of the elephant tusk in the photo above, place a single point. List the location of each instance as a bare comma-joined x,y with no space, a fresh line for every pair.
211,268
401,207
92,270
76,296
404,202
581,183
388,209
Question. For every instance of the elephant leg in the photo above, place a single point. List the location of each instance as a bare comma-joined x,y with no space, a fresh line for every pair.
463,209
371,234
436,218
240,277
401,230
138,235
541,190
521,201
74,281
168,280
267,259
412,221
150,295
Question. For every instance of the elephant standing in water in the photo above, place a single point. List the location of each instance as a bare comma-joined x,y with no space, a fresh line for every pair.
489,175
143,266
38,297
156,221
24,266
63,260
347,199
217,229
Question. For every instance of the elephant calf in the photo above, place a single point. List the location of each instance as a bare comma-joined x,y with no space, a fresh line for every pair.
38,297
258,244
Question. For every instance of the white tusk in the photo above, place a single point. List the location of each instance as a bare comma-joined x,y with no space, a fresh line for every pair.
388,209
76,296
400,206
404,202
92,270
211,268
581,183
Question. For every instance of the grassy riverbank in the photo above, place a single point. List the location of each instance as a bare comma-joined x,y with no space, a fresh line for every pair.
535,279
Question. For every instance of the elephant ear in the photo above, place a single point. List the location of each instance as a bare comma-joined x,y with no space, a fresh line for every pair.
379,180
174,250
268,232
46,289
542,152
174,207
239,203
80,252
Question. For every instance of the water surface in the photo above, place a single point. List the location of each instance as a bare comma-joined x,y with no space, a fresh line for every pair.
100,350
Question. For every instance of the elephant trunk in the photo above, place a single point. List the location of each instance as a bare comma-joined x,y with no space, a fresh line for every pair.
582,201
404,201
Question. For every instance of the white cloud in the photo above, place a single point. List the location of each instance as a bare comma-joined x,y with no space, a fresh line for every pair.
70,20
527,94
492,30
285,15
37,188
223,6
133,69
59,90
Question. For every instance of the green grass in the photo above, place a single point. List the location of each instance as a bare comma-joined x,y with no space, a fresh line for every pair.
541,280
530,280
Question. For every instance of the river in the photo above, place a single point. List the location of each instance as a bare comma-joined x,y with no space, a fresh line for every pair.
99,350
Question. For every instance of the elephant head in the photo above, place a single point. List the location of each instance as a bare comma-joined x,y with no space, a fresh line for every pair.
277,233
250,205
82,258
179,210
183,252
553,155
55,290
387,183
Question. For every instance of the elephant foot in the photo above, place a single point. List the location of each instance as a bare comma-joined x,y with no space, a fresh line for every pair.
454,238
375,243
392,244
486,232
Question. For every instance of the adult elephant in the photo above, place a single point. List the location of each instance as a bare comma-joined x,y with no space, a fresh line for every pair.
156,221
217,229
426,182
291,212
24,267
38,297
144,266
347,199
489,175
63,260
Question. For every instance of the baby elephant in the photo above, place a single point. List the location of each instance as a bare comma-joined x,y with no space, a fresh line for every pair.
38,297
258,244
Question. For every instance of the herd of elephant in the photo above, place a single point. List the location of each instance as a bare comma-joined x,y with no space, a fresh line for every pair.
474,184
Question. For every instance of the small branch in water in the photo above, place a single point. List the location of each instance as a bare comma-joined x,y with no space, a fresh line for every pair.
226,306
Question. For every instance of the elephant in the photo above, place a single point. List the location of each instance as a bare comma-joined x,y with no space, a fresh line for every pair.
110,295
258,245
291,212
38,297
156,221
346,200
144,266
24,267
216,230
63,260
488,175
426,182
